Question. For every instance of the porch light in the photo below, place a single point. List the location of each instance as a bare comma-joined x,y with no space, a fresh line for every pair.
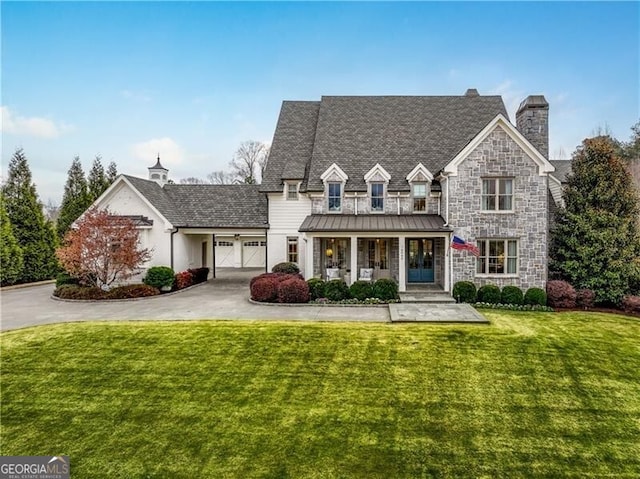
329,252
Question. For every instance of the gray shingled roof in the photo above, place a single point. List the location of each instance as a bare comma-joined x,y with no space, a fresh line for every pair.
206,206
292,144
389,223
563,168
357,132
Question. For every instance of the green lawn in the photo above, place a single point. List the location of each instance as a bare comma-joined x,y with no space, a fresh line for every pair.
531,395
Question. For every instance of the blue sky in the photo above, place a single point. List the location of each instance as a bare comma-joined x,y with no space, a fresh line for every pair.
191,80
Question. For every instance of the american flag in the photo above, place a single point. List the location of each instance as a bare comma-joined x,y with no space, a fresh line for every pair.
459,243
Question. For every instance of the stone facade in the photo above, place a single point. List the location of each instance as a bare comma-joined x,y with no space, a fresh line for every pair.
499,156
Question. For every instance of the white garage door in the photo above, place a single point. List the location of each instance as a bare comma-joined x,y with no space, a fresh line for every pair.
224,254
254,253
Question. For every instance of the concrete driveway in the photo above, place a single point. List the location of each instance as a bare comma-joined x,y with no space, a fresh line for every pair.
226,297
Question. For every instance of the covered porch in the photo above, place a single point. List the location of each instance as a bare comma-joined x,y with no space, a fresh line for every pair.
410,249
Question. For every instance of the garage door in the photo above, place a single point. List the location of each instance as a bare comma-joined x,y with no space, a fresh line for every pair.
254,253
224,254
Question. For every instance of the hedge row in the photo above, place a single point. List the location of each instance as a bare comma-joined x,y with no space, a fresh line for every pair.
74,291
283,287
465,292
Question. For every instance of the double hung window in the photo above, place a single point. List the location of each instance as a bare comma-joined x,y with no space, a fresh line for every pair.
498,257
497,194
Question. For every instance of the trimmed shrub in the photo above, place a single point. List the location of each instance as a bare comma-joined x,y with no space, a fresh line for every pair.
200,275
585,298
159,277
184,279
561,294
535,296
264,288
465,292
336,290
293,290
385,289
66,278
73,291
511,295
631,304
361,290
288,268
132,291
489,293
316,288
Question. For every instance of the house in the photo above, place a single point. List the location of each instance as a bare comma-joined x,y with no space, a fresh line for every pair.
365,187
189,226
369,187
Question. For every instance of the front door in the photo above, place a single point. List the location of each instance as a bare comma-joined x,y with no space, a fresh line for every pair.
420,260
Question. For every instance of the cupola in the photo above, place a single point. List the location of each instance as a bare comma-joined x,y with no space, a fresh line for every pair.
158,173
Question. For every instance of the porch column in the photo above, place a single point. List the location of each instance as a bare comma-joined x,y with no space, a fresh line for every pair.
447,263
354,259
308,256
402,266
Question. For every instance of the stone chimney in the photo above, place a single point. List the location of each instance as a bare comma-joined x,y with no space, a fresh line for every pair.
471,92
532,119
158,173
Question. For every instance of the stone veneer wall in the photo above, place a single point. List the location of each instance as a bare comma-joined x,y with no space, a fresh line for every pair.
499,156
319,205
438,258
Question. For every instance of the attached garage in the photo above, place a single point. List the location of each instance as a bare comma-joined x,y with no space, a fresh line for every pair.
225,254
254,253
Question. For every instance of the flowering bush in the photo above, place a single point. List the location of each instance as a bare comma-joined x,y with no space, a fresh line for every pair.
513,307
561,294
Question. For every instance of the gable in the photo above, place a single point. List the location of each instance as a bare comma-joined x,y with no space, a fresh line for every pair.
501,123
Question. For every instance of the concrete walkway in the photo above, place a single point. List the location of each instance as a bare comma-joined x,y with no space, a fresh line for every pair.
435,313
226,297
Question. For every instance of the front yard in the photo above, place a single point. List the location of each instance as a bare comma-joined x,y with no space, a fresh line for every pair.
532,395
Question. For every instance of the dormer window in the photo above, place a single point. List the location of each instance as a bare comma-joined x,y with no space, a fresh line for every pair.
292,191
335,197
377,197
419,193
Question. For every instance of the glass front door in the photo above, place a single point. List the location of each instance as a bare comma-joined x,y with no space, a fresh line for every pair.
420,260
377,257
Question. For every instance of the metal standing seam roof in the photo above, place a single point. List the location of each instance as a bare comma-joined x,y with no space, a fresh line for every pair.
374,223
356,132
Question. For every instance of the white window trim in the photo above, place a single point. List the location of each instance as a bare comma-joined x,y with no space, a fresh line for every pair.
339,210
384,197
496,179
500,275
290,240
287,184
426,195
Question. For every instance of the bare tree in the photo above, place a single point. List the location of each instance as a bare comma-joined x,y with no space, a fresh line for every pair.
248,161
51,211
192,180
220,177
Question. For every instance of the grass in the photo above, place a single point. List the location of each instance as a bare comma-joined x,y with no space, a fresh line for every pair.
532,395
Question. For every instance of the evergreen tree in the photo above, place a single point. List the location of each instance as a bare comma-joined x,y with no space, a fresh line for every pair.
97,179
25,214
75,199
112,173
11,261
595,243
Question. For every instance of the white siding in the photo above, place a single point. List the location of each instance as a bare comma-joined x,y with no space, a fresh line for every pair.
125,201
285,218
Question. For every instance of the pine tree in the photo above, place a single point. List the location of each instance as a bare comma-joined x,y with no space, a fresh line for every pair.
112,173
97,179
25,214
595,243
11,261
75,199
